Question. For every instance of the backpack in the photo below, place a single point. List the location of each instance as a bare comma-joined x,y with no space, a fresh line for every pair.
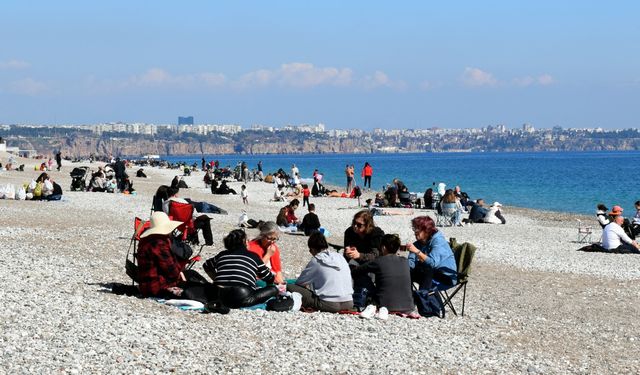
429,303
280,303
37,191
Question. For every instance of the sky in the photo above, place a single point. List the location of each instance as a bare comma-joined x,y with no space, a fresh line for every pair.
355,64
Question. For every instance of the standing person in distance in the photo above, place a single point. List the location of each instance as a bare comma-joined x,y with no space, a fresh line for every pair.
367,172
244,194
59,160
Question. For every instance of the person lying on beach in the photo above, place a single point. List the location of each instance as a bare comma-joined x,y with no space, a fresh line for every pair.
494,214
234,272
431,260
160,273
265,247
376,211
392,277
224,189
325,283
614,237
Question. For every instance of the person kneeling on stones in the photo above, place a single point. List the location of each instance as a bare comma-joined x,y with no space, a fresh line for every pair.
160,272
325,283
234,272
392,280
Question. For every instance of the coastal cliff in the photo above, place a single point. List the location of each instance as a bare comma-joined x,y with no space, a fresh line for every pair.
82,144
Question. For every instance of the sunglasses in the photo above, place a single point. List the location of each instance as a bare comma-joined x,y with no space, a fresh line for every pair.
358,224
272,239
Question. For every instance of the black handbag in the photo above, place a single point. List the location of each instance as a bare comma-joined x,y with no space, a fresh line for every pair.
280,303
181,249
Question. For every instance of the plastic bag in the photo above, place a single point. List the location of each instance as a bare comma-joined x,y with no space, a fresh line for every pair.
10,192
21,194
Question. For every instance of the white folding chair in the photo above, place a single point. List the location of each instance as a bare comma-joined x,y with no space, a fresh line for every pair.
584,232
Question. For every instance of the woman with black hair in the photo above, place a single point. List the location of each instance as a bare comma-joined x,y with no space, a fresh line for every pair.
235,270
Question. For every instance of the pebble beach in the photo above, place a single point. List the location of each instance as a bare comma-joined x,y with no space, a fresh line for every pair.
534,304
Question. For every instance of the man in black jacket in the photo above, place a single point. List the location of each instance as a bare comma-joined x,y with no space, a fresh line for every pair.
478,212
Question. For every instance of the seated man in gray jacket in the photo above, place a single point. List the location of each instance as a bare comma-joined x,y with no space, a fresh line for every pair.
325,283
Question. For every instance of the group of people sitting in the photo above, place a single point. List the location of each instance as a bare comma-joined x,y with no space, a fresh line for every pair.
618,233
43,188
481,214
248,272
287,220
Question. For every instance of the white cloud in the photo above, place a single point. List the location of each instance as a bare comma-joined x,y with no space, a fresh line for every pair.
14,64
259,78
545,80
159,77
524,81
297,75
476,77
380,79
28,86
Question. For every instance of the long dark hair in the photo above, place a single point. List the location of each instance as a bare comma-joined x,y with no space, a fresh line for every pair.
365,215
236,240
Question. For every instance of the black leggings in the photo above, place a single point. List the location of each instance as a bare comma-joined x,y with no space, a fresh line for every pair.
241,296
367,180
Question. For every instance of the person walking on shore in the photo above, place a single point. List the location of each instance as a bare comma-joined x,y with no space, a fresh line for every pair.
59,160
348,171
244,194
367,172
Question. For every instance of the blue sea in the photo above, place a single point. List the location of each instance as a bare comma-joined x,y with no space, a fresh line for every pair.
556,181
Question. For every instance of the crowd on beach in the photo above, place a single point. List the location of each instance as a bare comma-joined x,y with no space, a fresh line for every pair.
368,278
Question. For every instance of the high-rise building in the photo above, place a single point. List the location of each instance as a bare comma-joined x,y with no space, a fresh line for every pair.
187,120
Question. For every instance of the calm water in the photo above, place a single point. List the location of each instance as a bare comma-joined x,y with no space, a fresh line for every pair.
568,181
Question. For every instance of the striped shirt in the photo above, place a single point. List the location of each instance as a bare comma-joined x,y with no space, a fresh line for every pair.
238,268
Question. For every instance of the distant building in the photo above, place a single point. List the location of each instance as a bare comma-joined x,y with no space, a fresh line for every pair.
188,120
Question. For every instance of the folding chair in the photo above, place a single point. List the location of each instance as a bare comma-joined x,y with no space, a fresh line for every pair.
189,228
131,264
584,232
464,256
182,212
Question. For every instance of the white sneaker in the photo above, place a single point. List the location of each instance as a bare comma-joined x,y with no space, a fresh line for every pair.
383,313
369,312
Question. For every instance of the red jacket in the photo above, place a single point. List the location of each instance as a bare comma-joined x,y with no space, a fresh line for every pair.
367,171
291,216
276,264
158,269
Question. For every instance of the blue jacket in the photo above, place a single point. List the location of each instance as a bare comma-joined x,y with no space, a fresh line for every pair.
440,258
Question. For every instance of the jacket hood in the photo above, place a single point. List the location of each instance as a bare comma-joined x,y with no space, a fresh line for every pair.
329,259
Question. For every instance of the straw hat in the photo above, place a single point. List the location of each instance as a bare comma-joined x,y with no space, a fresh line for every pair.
160,224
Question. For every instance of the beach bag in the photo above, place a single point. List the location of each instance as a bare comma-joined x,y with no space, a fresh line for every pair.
429,303
181,249
280,303
10,192
21,194
37,191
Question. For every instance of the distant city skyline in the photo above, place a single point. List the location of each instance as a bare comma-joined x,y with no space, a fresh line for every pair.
355,65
